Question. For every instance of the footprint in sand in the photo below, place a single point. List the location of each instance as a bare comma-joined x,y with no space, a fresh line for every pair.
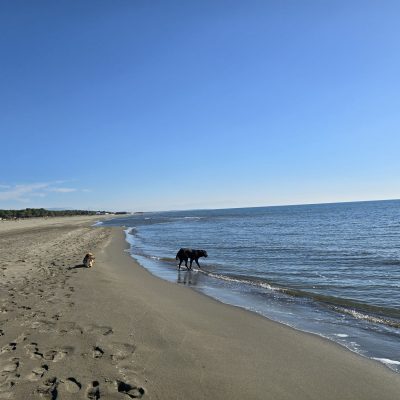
48,390
8,375
120,351
134,392
97,352
69,327
8,347
52,355
33,350
55,355
71,385
37,373
10,367
93,391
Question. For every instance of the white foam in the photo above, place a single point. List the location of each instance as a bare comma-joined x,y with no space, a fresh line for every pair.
129,237
387,361
130,230
237,280
341,335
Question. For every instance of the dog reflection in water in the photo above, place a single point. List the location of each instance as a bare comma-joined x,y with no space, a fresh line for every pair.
188,277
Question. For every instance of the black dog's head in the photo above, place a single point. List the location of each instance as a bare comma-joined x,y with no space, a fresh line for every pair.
204,253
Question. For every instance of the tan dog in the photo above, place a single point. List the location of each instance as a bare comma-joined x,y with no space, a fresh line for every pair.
88,261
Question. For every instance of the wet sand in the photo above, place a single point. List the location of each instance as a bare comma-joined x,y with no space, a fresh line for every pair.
117,332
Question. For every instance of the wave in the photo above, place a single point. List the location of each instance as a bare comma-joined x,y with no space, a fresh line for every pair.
166,259
387,361
362,311
370,318
239,279
173,219
98,223
131,231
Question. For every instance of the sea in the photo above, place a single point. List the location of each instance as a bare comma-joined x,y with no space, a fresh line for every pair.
329,269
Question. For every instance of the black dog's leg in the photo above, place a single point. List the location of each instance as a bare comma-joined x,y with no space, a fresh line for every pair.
197,262
180,262
191,262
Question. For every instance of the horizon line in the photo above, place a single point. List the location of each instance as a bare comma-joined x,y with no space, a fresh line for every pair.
206,208
274,205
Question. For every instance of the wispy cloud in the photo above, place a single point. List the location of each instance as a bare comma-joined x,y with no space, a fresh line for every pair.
23,193
20,192
63,190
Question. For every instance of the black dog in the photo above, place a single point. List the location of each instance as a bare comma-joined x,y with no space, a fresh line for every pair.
190,254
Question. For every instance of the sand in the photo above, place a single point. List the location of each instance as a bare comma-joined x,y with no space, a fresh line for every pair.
114,331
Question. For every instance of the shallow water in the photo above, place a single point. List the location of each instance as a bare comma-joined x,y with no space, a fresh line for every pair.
331,269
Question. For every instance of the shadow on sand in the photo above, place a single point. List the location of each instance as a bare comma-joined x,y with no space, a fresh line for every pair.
77,266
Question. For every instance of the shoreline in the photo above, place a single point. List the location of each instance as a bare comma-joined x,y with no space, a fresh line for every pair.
162,270
284,267
385,362
346,376
123,333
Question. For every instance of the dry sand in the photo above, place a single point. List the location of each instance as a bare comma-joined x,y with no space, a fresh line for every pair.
116,332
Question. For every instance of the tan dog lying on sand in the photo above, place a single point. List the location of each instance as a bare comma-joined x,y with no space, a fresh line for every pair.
88,261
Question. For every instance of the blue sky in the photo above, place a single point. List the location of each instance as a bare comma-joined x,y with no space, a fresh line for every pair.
154,105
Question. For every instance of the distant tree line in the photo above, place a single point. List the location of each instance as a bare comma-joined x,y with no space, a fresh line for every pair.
41,212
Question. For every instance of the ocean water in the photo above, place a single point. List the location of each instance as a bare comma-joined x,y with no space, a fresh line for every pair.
329,269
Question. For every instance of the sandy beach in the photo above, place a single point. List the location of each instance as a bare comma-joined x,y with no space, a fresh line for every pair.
116,332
